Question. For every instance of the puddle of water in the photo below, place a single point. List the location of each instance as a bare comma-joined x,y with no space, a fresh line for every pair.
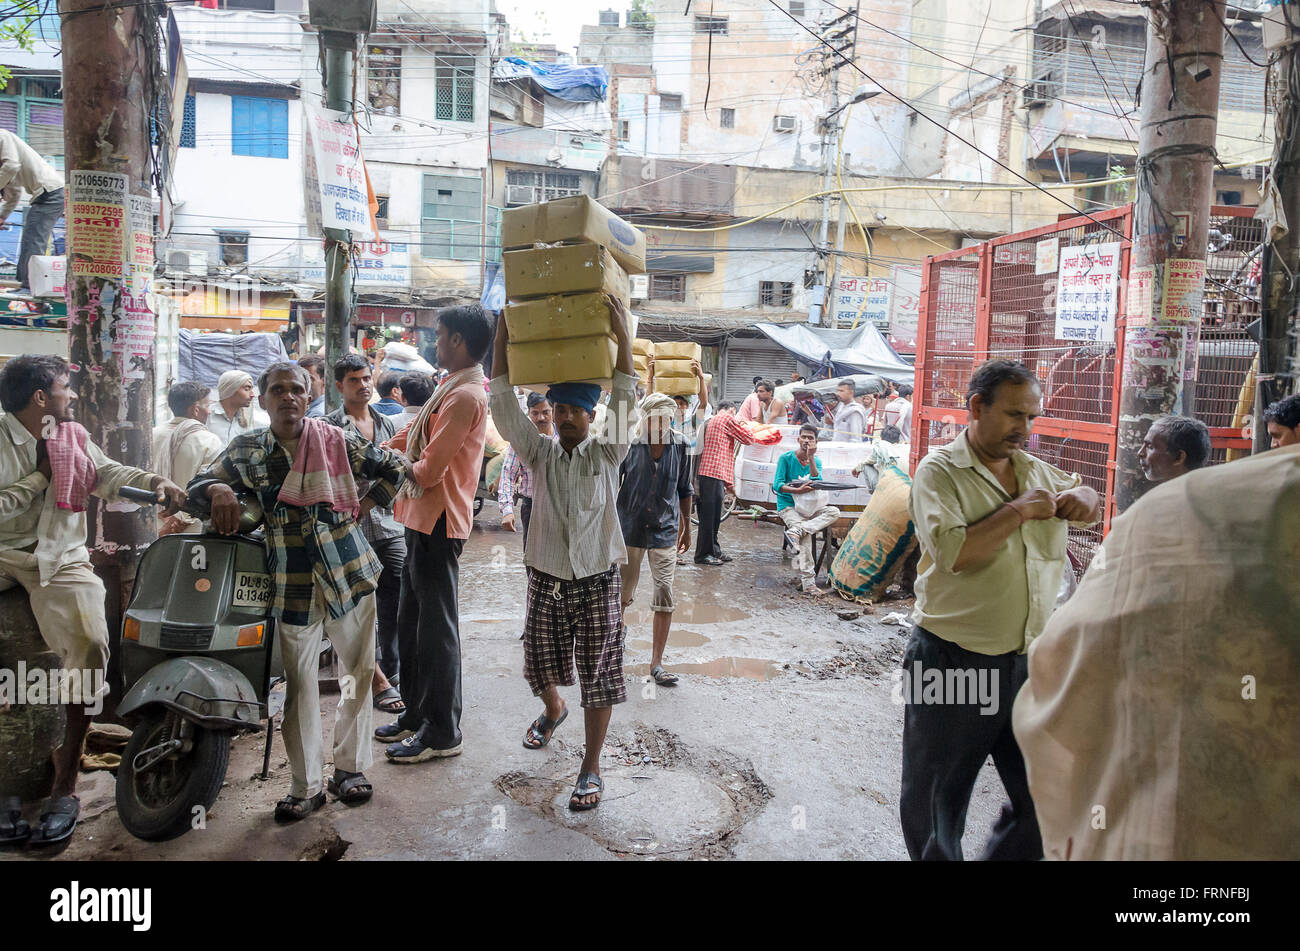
746,668
676,638
692,613
488,620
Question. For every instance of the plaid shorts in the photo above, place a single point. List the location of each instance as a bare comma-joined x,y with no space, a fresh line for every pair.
580,620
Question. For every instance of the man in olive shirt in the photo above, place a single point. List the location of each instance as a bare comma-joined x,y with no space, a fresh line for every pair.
992,523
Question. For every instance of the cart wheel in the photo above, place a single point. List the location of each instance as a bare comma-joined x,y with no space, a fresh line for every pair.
728,506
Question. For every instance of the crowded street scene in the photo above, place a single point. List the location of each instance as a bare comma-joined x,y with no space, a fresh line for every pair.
760,432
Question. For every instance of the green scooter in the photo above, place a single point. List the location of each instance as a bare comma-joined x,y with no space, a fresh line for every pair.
199,659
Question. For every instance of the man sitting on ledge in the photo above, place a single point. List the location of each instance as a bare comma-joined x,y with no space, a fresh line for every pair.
48,470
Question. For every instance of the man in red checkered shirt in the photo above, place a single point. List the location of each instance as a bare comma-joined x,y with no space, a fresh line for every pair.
717,473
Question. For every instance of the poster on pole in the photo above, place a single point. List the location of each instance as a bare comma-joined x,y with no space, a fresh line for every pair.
1087,293
1140,301
385,262
1183,291
96,237
335,178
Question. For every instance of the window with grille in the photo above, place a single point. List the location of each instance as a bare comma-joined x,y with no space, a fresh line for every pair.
189,124
728,118
525,188
775,293
796,8
609,18
714,25
624,130
234,246
384,79
669,102
451,217
670,287
454,88
259,127
381,213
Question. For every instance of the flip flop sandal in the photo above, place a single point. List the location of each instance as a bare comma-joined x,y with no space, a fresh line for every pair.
291,808
389,700
58,820
541,730
352,789
14,829
588,784
663,678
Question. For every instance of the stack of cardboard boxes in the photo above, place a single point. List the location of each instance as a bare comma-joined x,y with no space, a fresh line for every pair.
642,351
673,373
756,469
562,258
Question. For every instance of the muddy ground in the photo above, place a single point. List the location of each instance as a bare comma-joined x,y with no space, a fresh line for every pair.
781,741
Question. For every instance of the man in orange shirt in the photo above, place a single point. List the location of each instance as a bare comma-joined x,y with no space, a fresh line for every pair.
444,445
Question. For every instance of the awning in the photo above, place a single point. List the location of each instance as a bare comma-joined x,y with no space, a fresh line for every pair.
862,350
235,324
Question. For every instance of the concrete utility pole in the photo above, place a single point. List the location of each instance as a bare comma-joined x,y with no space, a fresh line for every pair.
832,277
109,58
841,35
1276,376
340,23
339,51
1175,180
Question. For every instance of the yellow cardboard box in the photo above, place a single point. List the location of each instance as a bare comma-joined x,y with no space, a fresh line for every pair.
578,218
566,269
643,347
559,317
673,368
676,385
678,351
562,361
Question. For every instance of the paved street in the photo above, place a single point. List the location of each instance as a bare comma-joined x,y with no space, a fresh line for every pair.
780,742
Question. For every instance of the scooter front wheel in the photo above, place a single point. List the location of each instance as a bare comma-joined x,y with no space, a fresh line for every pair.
162,789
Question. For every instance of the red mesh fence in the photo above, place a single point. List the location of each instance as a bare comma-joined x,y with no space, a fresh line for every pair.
987,302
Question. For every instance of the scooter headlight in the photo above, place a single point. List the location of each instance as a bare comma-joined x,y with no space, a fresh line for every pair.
250,636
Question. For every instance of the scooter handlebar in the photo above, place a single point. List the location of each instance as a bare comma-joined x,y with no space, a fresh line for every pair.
141,496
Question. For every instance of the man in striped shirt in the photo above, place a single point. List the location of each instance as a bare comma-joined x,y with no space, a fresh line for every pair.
516,483
574,601
717,474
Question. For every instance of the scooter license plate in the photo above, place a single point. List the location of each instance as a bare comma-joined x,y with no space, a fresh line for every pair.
252,589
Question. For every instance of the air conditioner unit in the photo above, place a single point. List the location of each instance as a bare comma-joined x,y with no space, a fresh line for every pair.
783,123
640,286
187,262
520,195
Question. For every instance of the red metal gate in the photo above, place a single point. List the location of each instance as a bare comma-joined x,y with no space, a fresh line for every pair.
985,302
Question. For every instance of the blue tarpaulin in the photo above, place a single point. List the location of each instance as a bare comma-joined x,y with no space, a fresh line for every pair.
205,356
572,83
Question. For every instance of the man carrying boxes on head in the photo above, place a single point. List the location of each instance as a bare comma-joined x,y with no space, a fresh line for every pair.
574,607
568,326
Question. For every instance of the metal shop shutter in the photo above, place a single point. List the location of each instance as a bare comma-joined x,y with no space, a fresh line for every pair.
746,362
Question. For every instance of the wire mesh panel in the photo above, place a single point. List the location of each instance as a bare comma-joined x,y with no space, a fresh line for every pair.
1225,352
1078,378
947,347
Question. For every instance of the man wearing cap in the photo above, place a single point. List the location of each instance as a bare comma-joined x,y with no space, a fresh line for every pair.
234,414
574,609
654,509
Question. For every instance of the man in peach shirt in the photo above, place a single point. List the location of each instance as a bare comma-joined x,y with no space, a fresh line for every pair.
444,445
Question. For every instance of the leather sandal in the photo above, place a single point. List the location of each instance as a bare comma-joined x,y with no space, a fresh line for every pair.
292,808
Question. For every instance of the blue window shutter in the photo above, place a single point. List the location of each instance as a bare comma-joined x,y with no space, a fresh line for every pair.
241,125
261,128
279,126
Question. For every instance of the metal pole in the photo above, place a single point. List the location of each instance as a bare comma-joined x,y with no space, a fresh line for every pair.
339,53
107,86
832,277
1278,290
1171,218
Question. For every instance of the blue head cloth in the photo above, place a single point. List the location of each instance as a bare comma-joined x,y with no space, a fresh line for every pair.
575,394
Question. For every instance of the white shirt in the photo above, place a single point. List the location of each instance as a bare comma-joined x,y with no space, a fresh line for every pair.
574,531
28,512
227,428
899,413
850,421
22,168
181,461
